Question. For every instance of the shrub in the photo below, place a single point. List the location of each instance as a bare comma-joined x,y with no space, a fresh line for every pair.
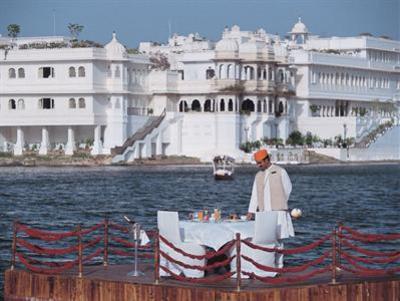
295,138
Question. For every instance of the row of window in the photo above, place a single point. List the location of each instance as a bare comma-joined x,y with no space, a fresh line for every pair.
265,106
46,104
383,56
46,72
134,76
345,79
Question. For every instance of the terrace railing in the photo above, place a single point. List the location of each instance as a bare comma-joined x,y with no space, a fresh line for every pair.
343,249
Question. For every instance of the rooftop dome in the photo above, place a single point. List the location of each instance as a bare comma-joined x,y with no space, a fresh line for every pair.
252,46
299,27
115,48
227,45
235,28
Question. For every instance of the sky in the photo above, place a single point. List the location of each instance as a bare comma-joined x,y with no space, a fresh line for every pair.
154,20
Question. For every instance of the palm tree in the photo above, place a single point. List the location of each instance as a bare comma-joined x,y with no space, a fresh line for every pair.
13,30
75,30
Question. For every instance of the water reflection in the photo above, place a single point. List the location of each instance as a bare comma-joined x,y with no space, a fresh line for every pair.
364,197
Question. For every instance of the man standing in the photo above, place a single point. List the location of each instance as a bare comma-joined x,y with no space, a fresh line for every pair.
271,191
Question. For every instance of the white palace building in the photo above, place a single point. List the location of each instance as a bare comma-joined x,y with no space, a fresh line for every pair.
196,97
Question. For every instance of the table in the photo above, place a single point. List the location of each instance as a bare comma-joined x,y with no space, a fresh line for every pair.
215,234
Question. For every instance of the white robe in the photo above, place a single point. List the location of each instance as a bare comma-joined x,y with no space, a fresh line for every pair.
285,225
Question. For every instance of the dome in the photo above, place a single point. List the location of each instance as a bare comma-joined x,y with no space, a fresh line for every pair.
252,46
299,27
115,48
227,45
235,28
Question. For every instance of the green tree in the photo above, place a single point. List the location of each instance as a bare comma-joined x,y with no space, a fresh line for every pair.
13,30
295,138
309,139
75,30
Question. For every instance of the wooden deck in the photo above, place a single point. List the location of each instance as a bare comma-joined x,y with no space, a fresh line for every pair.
112,284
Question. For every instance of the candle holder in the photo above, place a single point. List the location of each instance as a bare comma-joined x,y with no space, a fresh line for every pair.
135,232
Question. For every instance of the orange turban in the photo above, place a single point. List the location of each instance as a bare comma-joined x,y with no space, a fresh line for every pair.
260,155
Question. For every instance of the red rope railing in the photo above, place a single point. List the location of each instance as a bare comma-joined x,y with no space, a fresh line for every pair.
298,250
294,269
129,254
294,279
208,255
197,267
356,235
367,252
342,247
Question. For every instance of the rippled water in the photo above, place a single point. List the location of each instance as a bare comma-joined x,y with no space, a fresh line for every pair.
362,196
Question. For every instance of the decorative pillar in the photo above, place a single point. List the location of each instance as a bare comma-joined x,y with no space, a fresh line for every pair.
70,147
44,145
159,144
97,144
19,145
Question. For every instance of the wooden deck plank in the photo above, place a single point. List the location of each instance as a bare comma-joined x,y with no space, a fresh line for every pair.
113,284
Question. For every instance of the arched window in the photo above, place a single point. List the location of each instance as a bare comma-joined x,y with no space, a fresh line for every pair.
230,105
46,72
21,73
229,72
280,107
183,107
210,73
81,103
11,104
81,71
72,103
71,72
11,73
207,105
220,73
259,109
46,103
21,104
196,106
109,73
281,77
248,106
222,105
117,72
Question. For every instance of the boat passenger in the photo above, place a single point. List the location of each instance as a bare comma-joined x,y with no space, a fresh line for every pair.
271,191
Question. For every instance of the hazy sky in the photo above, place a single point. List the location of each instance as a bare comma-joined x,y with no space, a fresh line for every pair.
153,20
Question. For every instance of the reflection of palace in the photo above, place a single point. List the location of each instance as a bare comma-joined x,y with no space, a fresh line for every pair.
192,96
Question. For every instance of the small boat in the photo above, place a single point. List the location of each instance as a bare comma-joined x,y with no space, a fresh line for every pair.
223,167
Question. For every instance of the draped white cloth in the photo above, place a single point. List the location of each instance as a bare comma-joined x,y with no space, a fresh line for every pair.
215,235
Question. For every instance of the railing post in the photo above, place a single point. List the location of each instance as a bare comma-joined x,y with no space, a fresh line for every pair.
14,245
105,255
156,257
339,245
80,251
333,268
238,263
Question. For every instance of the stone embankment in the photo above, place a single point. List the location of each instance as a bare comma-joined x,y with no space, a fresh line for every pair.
83,159
315,158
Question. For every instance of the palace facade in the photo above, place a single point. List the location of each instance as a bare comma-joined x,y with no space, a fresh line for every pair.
193,96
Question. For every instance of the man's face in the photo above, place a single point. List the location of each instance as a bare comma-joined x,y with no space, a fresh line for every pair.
264,164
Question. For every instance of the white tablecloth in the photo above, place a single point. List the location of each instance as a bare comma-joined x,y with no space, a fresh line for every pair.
215,235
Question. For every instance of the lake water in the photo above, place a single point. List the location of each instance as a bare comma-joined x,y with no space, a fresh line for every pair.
366,197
